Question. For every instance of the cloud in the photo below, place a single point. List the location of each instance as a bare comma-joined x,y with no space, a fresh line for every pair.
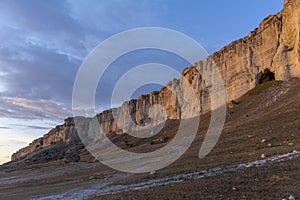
31,127
34,11
47,75
42,109
4,127
38,127
41,105
43,45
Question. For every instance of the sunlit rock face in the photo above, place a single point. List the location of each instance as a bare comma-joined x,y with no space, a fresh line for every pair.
274,45
286,62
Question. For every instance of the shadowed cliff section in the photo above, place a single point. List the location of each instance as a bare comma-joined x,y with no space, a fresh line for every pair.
274,45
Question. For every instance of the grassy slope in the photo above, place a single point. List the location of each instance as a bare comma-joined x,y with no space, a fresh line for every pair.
272,114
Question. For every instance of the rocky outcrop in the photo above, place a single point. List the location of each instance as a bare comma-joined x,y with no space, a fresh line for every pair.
66,133
274,45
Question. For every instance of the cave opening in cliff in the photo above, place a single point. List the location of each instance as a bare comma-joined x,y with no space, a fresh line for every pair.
265,76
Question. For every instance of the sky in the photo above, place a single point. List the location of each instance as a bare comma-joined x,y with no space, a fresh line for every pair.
43,44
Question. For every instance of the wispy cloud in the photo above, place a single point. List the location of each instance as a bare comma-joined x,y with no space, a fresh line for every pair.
32,109
31,127
4,127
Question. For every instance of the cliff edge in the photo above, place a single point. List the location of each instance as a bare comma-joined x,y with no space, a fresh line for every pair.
274,45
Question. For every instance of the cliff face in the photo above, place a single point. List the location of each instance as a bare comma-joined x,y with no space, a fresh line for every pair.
66,133
274,45
286,62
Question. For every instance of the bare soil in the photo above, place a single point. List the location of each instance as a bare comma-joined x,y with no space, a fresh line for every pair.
265,121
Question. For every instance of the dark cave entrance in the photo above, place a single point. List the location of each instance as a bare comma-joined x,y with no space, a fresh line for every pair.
265,76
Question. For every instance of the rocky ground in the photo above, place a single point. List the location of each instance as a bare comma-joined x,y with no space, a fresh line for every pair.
257,157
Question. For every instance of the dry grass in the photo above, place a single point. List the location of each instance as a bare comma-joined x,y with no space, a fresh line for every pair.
251,121
263,87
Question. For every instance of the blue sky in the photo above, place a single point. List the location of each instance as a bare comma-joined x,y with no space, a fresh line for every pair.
43,44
